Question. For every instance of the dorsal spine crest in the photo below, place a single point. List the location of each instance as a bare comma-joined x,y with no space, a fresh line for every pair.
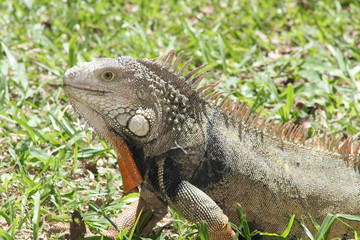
238,112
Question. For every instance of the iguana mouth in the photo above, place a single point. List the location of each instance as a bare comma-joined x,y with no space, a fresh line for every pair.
84,89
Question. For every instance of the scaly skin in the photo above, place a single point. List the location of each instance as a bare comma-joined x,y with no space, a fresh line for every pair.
202,159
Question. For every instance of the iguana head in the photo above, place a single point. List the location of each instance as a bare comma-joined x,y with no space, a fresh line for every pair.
112,93
136,98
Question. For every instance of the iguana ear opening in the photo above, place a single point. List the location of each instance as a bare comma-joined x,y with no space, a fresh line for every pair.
141,94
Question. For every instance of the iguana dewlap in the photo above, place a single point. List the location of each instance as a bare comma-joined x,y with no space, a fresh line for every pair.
130,173
202,154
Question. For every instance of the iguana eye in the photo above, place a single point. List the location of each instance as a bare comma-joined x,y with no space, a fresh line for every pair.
107,75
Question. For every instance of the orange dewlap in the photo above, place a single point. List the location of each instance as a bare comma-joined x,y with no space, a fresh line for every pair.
130,173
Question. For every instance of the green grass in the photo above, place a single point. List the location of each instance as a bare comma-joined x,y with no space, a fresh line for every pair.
296,60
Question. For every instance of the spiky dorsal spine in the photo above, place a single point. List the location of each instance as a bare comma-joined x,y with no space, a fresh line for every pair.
349,149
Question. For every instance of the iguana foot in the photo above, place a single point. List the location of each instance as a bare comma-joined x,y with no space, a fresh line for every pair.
146,204
223,233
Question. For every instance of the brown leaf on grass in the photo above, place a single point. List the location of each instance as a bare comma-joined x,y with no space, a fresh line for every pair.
305,121
77,226
47,24
316,107
92,167
299,104
58,227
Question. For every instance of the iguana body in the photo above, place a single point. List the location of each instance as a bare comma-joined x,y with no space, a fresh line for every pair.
203,155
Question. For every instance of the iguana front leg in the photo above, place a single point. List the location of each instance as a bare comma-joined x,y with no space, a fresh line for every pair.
196,206
188,200
146,203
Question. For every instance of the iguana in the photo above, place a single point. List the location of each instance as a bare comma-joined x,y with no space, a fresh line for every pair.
202,154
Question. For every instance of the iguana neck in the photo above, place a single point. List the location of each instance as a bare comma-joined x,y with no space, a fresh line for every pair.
188,136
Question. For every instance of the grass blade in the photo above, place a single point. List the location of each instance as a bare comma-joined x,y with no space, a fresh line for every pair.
36,215
4,235
72,51
286,232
